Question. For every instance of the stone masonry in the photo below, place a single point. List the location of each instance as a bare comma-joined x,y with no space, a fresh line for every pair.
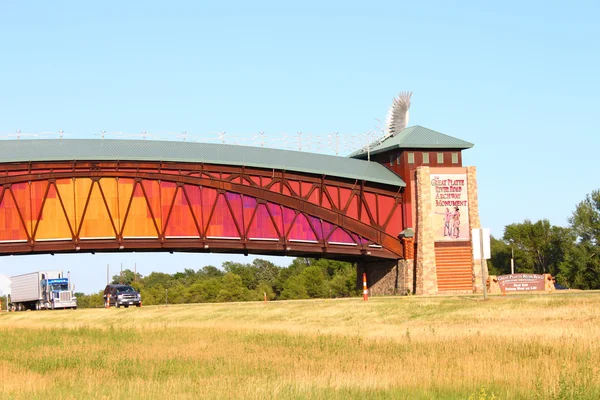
474,223
425,269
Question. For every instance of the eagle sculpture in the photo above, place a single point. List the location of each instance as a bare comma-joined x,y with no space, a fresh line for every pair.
397,118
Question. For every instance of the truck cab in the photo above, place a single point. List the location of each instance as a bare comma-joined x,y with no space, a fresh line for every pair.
58,294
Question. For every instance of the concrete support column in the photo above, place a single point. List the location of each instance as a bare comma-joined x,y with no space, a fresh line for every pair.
426,275
474,223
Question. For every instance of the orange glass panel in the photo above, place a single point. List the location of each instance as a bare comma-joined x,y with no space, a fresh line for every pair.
53,224
21,192
11,227
138,223
83,186
38,191
66,190
109,188
167,195
96,222
125,194
153,193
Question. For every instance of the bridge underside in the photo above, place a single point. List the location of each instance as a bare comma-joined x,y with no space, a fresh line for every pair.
53,207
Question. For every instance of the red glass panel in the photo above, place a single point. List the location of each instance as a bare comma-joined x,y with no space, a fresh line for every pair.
181,222
371,200
341,236
305,188
301,230
222,222
295,187
276,212
345,195
249,206
352,211
262,226
195,202
286,191
333,193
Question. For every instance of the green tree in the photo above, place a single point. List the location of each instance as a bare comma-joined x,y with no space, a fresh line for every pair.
294,288
126,277
315,282
233,288
581,269
210,271
540,243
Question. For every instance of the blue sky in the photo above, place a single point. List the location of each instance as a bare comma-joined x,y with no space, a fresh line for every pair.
518,80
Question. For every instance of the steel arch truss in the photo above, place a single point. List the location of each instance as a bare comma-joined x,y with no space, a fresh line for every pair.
155,206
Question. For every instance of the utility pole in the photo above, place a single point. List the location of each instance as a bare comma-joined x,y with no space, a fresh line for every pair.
134,272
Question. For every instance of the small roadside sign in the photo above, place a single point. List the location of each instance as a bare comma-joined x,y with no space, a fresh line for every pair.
481,243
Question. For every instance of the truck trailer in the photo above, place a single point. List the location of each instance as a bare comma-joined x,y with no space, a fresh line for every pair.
42,290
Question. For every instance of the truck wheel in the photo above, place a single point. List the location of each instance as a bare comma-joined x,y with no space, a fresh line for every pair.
117,305
138,305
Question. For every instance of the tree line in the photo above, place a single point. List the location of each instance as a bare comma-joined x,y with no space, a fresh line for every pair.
303,279
571,254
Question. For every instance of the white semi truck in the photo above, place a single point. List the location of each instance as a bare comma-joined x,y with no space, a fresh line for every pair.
42,290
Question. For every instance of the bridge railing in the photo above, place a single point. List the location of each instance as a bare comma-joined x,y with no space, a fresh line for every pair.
334,143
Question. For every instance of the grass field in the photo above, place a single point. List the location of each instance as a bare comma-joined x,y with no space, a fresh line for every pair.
531,346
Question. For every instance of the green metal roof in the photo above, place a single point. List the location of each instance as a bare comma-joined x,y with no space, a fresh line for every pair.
414,137
208,153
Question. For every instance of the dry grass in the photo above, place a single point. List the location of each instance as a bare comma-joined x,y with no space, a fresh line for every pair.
515,347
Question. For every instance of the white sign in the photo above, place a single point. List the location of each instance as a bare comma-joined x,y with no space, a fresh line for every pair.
481,236
450,207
